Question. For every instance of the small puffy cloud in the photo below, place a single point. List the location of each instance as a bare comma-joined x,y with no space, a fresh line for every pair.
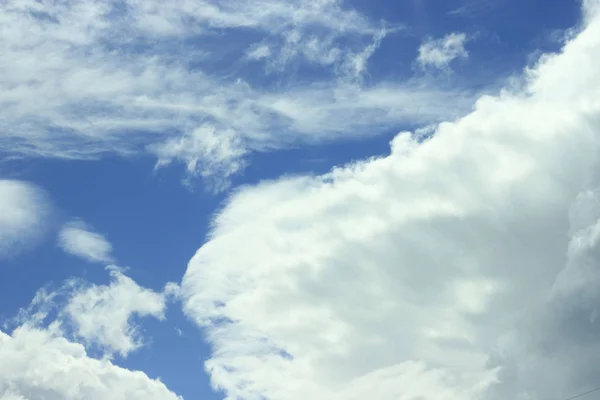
24,213
102,315
78,239
464,265
439,53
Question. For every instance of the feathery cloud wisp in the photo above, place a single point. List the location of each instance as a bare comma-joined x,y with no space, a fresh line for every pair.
78,239
82,80
439,53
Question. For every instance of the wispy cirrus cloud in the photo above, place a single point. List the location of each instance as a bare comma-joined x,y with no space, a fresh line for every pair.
439,53
83,79
472,8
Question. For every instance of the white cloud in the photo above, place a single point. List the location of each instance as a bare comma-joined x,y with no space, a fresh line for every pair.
47,354
205,151
472,8
102,314
24,213
259,51
78,239
439,53
267,15
102,317
323,113
40,364
80,81
355,65
464,267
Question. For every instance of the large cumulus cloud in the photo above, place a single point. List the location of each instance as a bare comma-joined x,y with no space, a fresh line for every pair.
462,267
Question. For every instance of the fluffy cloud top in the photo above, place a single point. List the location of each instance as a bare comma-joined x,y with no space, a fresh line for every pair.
463,267
24,210
38,364
78,239
439,53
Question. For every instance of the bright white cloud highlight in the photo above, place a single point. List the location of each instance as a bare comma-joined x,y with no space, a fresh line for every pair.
24,213
439,53
40,364
77,239
461,268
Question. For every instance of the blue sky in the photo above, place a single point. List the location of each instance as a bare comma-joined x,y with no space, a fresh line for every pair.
286,200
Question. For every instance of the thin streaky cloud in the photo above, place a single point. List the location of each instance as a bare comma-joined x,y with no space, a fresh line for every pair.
83,81
80,240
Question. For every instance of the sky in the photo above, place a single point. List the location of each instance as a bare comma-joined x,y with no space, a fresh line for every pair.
289,200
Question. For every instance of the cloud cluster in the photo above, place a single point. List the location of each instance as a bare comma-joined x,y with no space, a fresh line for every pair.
439,53
47,355
24,213
178,80
462,267
102,315
78,239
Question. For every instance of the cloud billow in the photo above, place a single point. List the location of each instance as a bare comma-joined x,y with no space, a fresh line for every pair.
460,267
